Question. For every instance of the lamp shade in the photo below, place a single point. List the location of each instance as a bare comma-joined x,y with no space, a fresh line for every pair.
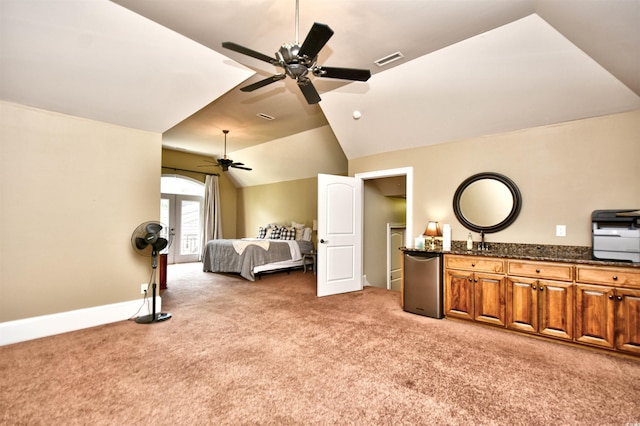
433,229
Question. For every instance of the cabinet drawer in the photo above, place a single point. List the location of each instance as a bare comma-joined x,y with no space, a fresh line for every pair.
472,263
627,277
548,271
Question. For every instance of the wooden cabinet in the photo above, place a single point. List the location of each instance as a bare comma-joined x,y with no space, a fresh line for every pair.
475,289
458,295
608,307
595,315
536,303
628,320
587,304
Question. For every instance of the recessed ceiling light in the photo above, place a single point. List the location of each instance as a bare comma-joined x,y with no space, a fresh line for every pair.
388,59
265,116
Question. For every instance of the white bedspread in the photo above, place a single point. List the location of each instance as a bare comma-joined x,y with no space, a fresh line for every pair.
240,245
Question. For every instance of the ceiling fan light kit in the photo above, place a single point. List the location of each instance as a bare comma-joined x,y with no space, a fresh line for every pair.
225,162
300,60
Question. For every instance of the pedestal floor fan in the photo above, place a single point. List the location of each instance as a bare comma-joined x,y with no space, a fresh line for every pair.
147,240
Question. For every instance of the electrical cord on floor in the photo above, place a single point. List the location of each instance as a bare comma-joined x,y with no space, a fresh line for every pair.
144,299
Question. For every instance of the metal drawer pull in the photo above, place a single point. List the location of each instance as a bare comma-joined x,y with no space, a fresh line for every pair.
611,297
615,278
533,286
538,271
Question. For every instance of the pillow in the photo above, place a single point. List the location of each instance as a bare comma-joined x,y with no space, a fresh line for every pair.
276,231
299,227
306,234
262,232
288,234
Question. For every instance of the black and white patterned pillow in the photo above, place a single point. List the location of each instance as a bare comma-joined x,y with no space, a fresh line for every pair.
262,232
276,232
288,234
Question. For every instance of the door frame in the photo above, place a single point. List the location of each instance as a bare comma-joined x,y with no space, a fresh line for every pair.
402,171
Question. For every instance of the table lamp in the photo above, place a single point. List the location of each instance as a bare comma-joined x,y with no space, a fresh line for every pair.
433,230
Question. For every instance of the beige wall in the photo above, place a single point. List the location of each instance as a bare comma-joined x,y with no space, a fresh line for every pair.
71,193
188,161
279,203
564,172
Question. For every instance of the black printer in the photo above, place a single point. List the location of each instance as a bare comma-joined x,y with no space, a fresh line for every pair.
616,235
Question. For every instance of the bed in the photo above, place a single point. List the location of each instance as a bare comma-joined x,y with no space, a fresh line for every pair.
273,250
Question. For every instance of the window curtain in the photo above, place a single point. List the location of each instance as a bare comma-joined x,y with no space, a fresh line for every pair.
212,224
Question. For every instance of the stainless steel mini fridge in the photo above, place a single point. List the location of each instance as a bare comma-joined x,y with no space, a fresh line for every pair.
423,284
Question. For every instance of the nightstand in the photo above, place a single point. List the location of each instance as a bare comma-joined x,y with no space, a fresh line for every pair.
312,257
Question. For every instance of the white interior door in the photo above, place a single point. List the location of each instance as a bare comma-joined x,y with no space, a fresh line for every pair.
395,240
339,234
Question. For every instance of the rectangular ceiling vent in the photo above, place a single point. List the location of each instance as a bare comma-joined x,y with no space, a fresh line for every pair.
388,59
265,116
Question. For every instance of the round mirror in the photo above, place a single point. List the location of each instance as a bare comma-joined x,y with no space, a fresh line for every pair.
487,202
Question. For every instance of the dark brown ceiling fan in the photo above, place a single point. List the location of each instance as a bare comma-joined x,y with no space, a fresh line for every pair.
225,162
299,61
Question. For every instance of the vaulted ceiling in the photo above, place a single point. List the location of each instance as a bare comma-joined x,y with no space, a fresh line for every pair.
469,68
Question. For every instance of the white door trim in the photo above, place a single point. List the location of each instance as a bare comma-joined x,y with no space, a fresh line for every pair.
402,171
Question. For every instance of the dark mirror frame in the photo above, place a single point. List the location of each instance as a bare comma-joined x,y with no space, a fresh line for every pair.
515,211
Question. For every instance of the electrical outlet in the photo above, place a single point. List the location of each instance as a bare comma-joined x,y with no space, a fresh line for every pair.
144,288
561,230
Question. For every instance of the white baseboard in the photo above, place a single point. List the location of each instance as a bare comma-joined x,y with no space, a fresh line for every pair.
63,322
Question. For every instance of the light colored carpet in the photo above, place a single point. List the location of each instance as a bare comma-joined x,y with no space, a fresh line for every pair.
270,352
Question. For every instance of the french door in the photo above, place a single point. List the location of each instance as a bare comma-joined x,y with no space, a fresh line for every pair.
183,216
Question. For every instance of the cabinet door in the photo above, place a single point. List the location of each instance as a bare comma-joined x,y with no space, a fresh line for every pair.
458,300
628,320
594,317
489,299
522,304
555,302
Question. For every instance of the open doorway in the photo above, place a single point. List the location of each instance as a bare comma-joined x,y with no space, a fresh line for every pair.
388,199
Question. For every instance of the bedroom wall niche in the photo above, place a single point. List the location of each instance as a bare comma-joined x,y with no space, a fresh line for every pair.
228,191
279,203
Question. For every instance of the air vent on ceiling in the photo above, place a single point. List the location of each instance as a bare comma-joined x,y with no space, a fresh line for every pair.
388,59
265,116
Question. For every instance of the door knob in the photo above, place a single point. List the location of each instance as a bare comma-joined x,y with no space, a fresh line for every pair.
323,241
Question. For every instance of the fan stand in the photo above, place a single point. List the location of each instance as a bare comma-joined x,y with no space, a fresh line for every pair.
150,319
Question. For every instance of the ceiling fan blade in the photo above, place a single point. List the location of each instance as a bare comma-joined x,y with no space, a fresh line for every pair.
318,36
262,83
309,91
249,52
343,73
237,166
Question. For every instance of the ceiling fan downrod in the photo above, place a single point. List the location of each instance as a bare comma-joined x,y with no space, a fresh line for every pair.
297,17
225,143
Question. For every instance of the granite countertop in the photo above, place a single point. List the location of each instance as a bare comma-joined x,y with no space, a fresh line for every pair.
541,252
